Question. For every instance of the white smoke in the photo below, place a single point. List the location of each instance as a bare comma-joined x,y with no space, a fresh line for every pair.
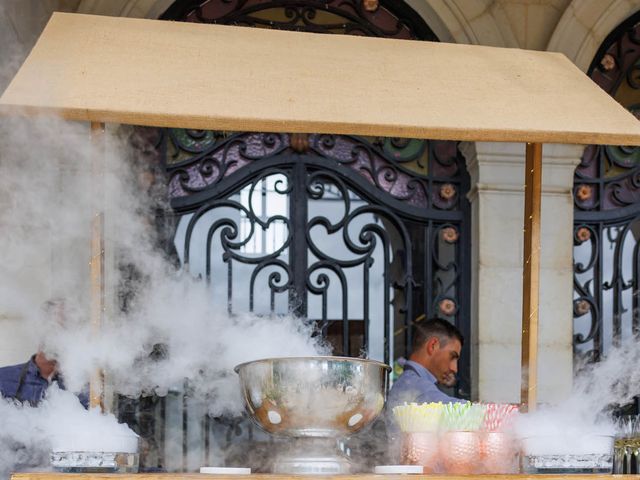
47,195
580,423
60,423
22,441
47,202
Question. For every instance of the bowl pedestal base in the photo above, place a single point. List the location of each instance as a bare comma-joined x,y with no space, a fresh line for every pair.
312,456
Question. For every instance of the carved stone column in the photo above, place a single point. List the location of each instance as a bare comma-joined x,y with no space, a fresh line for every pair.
497,205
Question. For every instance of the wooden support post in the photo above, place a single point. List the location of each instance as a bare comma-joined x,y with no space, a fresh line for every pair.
531,276
96,264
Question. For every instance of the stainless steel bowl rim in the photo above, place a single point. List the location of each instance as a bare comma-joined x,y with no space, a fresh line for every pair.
317,358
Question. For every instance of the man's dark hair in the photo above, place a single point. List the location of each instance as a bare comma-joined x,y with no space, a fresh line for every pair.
435,327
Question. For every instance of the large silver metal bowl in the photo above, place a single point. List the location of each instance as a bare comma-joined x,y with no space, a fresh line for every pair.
313,396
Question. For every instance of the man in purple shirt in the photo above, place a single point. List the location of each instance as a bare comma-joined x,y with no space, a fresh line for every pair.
28,382
433,361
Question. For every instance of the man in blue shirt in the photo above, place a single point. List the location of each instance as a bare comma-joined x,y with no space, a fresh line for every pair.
28,382
433,361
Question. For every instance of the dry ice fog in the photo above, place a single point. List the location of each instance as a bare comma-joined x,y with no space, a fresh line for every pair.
47,197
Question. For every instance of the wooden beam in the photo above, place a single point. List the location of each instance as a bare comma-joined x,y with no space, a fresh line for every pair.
96,264
531,275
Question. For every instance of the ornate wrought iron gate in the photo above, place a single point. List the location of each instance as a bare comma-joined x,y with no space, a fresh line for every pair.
345,231
607,213
360,235
414,189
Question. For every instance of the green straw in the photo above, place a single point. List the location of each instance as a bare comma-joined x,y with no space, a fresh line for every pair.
462,416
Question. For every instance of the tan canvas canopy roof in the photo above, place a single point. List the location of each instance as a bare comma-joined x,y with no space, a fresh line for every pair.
160,73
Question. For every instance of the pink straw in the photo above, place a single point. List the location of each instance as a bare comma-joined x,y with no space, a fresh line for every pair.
498,416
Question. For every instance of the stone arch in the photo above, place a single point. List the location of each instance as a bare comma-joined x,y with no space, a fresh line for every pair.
445,23
584,26
466,21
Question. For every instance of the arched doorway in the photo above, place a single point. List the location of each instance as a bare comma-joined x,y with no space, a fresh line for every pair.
361,235
409,252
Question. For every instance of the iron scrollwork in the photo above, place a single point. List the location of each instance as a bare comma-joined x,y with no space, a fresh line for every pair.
349,17
362,253
607,212
420,173
448,273
232,243
204,164
407,169
368,219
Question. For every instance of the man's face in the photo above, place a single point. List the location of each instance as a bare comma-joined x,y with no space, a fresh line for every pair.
444,361
48,366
